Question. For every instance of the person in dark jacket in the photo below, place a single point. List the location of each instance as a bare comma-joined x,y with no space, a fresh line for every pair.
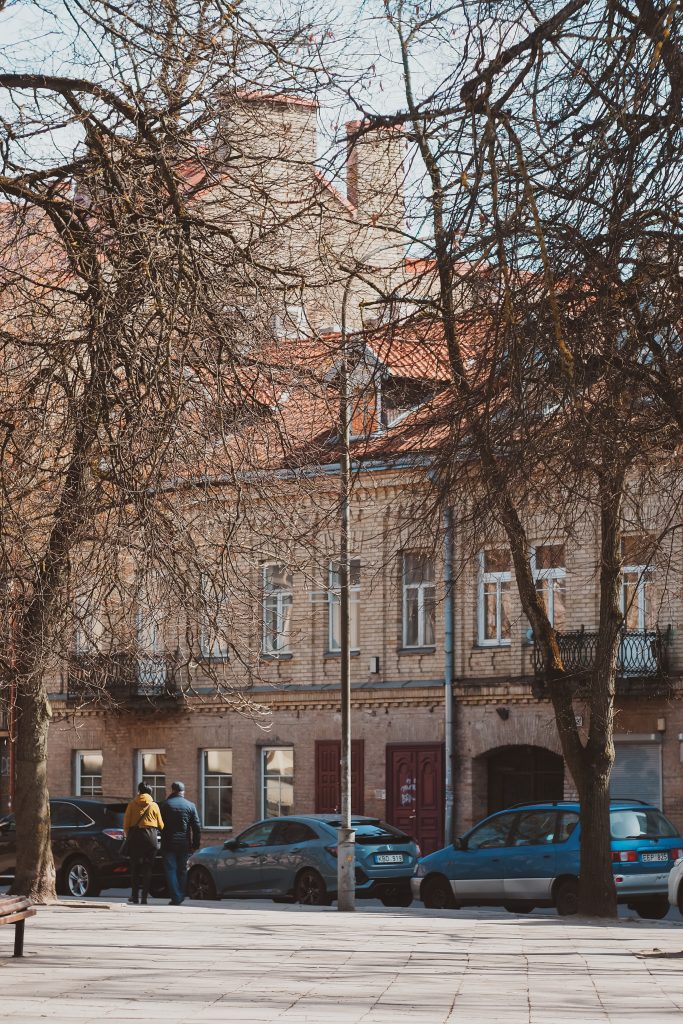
181,835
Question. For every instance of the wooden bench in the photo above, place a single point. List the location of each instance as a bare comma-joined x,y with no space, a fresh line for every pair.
14,910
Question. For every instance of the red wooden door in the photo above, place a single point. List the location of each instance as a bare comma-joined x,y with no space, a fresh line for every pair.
415,792
328,776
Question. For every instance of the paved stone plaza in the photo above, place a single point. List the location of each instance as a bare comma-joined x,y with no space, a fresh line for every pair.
247,962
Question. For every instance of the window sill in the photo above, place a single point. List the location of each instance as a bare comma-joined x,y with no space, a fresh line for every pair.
415,650
284,656
213,659
217,828
492,645
337,654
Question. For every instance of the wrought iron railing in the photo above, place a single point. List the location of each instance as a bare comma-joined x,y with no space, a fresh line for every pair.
643,654
119,678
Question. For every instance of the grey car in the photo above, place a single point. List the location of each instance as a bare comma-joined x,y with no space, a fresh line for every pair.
295,858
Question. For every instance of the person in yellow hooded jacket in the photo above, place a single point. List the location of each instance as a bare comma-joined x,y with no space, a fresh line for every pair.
140,824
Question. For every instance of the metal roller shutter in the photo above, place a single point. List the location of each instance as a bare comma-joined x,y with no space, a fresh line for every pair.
637,773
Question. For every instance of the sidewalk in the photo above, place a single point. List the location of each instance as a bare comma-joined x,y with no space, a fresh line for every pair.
247,962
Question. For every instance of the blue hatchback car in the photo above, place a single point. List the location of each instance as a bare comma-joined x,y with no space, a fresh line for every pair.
528,856
295,858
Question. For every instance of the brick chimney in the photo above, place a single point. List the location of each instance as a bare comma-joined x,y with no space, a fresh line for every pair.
273,127
374,172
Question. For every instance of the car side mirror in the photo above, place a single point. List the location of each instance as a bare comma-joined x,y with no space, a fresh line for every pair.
230,844
460,843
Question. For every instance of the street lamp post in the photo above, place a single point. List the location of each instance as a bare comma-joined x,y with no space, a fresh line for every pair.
346,845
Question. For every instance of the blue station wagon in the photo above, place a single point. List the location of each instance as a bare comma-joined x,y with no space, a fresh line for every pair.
528,856
295,858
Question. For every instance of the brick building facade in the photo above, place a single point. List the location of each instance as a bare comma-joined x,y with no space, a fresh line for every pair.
505,741
279,754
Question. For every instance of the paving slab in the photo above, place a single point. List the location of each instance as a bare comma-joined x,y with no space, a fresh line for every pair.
258,964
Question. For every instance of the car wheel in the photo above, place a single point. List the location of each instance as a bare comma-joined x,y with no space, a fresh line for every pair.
403,899
521,907
437,894
567,897
310,889
200,885
80,878
655,907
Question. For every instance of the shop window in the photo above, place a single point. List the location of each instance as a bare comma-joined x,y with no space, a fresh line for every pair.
277,779
151,769
216,770
89,772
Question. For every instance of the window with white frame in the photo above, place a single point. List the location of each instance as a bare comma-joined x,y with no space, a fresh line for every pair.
89,772
216,772
637,582
419,600
548,565
213,641
88,627
495,585
148,629
151,622
277,609
277,781
334,606
151,769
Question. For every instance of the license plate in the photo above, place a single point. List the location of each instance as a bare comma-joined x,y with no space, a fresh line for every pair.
388,858
663,856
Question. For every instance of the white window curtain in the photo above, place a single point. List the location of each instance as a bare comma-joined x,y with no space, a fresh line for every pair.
495,586
419,600
277,608
334,606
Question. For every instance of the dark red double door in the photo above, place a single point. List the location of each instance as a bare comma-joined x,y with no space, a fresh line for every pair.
328,777
415,792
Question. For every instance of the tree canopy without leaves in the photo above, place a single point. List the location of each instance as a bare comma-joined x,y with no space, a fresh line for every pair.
547,203
142,260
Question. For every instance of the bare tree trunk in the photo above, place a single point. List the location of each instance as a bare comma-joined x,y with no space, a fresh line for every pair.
597,893
35,870
591,765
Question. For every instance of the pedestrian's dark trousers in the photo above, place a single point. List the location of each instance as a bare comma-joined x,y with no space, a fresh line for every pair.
175,866
141,874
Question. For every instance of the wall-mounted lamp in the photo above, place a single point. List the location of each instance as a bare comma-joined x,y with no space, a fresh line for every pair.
503,713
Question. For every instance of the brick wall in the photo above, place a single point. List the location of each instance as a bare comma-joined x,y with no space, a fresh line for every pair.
378,722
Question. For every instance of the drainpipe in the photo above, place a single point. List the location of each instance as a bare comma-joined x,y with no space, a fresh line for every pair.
448,673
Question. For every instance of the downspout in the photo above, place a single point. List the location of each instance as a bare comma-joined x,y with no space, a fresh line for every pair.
448,673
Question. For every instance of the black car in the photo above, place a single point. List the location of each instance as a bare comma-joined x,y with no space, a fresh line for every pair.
87,834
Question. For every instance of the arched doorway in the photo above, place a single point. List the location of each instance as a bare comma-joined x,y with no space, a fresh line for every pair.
523,773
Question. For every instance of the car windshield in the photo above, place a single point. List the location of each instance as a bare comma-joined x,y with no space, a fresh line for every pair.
641,823
370,832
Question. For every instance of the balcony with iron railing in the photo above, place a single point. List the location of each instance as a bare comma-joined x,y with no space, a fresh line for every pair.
121,679
642,660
